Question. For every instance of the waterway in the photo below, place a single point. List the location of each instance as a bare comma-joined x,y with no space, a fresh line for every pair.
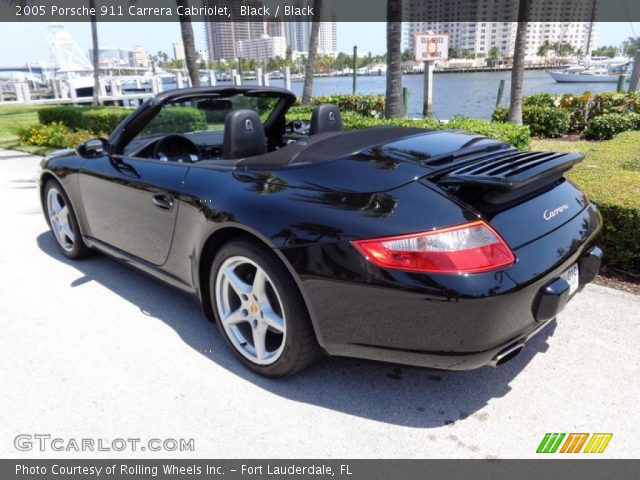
470,94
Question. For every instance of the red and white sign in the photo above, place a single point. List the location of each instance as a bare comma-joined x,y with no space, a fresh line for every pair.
431,47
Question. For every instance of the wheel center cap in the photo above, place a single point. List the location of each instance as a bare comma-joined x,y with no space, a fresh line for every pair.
253,308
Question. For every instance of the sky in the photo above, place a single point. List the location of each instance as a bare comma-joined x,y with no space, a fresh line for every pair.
26,42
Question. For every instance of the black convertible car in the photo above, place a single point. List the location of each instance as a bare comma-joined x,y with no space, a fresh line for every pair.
433,248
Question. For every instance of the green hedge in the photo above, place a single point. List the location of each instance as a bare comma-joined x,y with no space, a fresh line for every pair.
543,121
607,126
366,105
551,115
53,135
620,236
101,120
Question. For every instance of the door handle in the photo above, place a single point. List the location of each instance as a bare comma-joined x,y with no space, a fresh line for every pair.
163,201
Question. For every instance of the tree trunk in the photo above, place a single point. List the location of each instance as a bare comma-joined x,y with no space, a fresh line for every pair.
96,56
517,69
313,53
394,107
188,42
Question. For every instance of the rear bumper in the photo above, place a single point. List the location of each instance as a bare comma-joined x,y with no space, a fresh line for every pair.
451,322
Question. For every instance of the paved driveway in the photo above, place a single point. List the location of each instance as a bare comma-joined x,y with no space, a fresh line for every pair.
94,349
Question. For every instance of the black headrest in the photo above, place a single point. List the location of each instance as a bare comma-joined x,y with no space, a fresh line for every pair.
325,118
243,135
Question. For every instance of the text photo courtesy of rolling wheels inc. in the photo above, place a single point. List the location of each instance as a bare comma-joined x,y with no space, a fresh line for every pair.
318,238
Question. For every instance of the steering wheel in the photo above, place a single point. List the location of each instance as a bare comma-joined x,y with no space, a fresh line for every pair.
176,148
300,127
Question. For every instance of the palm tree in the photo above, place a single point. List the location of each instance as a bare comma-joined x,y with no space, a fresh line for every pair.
394,107
96,56
544,48
313,53
517,70
633,46
188,42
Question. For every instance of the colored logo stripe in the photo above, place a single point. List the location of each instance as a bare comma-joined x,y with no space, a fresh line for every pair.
574,442
550,443
598,442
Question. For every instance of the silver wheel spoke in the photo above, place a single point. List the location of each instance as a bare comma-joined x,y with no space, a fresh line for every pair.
66,230
259,287
259,340
272,319
235,317
236,283
56,205
63,214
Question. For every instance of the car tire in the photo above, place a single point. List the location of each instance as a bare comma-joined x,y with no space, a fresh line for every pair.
260,310
63,222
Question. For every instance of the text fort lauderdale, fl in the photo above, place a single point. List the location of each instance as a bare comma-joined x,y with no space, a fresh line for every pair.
173,470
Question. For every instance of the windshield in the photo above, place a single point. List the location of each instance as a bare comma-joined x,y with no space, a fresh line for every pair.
201,114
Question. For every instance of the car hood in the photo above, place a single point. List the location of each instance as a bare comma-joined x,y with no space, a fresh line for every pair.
373,160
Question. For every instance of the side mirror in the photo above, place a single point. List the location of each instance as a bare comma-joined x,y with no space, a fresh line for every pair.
94,147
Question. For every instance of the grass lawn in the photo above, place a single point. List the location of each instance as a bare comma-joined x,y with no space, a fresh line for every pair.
610,176
610,171
12,117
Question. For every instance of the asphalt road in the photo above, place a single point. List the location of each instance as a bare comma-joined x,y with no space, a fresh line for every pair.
94,349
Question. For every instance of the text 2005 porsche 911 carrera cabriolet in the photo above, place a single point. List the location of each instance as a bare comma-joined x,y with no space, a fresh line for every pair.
432,248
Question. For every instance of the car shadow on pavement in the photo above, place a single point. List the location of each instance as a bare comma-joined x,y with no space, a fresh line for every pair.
399,395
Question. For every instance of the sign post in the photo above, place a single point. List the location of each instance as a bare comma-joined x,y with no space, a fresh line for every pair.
430,47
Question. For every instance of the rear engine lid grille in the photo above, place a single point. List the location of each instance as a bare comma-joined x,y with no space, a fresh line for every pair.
510,170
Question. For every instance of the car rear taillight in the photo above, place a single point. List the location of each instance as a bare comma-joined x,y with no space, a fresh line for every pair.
469,248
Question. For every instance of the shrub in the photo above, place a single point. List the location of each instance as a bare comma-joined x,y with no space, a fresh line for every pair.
541,100
550,115
96,119
620,235
607,126
365,105
547,122
516,135
102,120
54,134
543,121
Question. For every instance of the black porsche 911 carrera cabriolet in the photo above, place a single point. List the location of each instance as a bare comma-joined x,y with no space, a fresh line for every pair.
442,249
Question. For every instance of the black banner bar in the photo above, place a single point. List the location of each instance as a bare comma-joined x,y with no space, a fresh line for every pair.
302,10
583,469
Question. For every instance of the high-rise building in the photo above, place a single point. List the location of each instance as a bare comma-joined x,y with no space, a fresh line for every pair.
114,57
140,57
178,50
223,37
487,32
298,31
262,49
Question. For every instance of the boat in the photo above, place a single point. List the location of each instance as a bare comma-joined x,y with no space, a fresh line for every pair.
586,75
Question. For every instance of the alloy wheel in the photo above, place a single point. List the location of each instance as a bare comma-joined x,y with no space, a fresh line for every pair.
60,219
250,310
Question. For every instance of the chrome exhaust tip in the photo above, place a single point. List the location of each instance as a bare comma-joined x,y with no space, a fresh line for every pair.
507,354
